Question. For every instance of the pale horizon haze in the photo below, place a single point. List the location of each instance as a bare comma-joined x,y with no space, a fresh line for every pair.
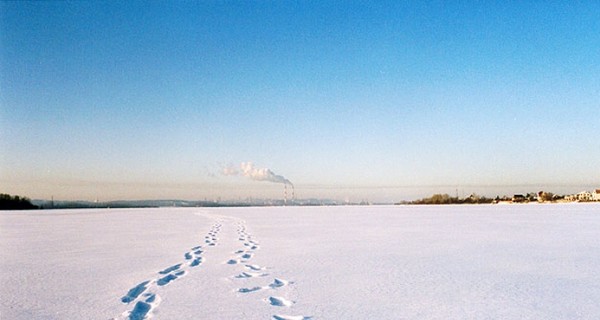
350,100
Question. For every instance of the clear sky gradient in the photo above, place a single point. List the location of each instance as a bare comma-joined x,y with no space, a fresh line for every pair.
383,101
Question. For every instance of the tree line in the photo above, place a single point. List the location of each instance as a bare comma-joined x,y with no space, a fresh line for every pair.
8,202
447,199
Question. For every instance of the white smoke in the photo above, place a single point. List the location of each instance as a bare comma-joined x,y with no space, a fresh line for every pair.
248,170
230,171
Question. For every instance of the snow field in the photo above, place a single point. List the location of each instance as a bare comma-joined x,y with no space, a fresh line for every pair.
396,262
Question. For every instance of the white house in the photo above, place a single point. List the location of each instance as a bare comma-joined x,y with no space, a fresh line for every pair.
596,195
584,196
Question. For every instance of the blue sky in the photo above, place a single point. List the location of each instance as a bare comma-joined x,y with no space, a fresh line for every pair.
381,100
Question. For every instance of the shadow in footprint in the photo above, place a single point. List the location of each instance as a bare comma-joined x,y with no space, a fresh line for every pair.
140,311
134,292
247,256
278,283
196,262
171,268
280,302
254,267
247,290
282,317
142,308
251,275
168,278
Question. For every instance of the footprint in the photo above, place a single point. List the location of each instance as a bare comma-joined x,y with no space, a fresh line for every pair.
171,268
168,278
280,302
142,308
196,262
233,261
247,256
254,267
277,283
135,292
282,317
188,256
140,311
247,290
250,275
239,251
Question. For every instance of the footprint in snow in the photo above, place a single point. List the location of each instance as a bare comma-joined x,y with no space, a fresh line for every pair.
247,290
279,302
254,267
135,292
171,268
142,308
169,278
196,262
277,283
248,274
246,256
282,317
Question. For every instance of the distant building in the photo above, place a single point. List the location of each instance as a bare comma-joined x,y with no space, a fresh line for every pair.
518,198
584,196
571,197
545,196
596,195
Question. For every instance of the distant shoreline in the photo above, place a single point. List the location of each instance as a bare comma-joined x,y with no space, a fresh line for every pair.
541,197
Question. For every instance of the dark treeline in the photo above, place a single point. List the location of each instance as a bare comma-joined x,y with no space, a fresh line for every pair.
8,202
447,199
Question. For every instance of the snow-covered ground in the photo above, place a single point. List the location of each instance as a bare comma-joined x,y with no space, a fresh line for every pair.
403,262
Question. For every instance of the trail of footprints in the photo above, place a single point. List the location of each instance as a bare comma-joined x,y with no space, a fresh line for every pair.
254,271
144,297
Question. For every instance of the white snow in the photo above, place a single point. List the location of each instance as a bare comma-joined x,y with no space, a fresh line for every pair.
380,262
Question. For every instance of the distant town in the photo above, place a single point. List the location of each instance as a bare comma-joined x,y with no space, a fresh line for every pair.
541,197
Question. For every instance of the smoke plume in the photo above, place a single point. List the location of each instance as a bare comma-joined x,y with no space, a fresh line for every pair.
248,170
